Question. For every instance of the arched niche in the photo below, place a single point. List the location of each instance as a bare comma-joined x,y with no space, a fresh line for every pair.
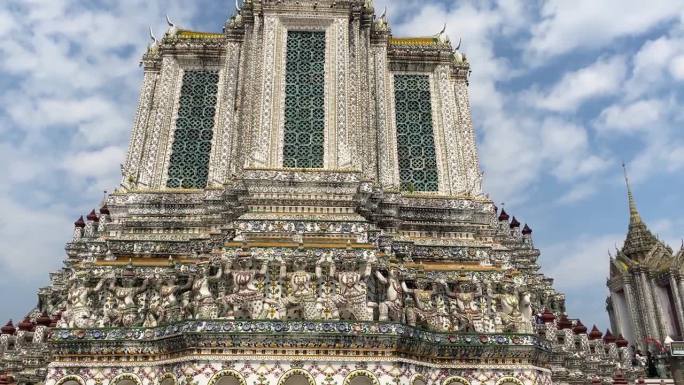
418,379
296,377
227,377
126,379
455,380
167,379
509,381
71,380
361,377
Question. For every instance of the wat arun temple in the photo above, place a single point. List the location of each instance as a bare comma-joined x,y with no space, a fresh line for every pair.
301,204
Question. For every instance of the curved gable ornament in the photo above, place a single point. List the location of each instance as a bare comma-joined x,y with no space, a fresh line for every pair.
227,373
71,377
509,380
126,376
293,372
361,373
455,380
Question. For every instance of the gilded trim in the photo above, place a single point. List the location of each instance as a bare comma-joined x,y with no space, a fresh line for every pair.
453,380
358,373
71,377
503,380
126,376
227,373
293,372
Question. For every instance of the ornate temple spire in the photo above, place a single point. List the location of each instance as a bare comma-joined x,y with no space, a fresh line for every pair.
634,216
639,239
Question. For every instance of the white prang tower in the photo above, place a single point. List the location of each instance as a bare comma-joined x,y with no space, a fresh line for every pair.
301,204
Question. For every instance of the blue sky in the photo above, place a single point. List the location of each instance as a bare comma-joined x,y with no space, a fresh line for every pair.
562,92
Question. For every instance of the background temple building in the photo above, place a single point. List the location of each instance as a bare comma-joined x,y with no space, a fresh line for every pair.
645,302
301,204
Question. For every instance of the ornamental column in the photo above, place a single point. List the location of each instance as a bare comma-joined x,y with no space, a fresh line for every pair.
659,312
676,293
652,312
680,285
632,310
645,305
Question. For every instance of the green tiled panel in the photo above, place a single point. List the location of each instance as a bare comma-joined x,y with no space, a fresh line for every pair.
415,141
304,100
189,165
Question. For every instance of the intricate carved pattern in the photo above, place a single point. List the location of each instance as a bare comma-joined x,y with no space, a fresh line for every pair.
304,100
126,376
220,167
415,140
71,377
454,380
228,372
342,104
132,168
189,163
355,146
471,163
164,98
388,173
296,372
453,161
262,132
361,373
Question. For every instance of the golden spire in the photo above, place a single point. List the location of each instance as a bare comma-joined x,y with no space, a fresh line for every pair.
634,216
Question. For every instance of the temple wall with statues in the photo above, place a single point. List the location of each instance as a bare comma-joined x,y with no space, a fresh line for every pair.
301,204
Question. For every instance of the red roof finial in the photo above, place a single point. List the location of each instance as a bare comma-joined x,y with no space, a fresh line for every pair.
548,316
564,323
43,319
8,328
5,379
609,338
619,378
503,216
621,342
579,328
595,333
526,230
26,325
514,223
79,222
92,216
104,210
55,319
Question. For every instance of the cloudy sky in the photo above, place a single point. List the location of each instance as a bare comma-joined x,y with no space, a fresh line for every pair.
562,92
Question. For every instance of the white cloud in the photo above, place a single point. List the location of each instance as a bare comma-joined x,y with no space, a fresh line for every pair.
580,266
96,164
656,62
575,264
662,156
677,67
70,83
577,193
580,24
601,78
641,115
